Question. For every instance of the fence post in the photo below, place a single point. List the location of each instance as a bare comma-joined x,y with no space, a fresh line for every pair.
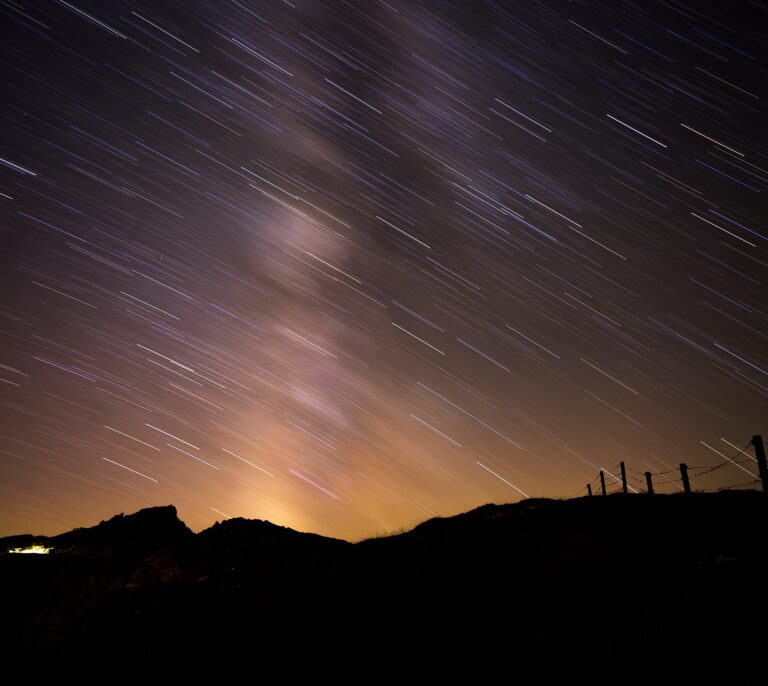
623,477
757,442
684,476
589,489
649,483
602,482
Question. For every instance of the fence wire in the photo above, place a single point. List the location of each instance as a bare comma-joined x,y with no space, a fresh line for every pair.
614,483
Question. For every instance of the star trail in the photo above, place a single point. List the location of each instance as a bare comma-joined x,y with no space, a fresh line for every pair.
346,266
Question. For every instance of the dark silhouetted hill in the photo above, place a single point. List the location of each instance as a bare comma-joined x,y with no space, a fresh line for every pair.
623,589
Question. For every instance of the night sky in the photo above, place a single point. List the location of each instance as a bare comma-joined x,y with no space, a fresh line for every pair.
346,266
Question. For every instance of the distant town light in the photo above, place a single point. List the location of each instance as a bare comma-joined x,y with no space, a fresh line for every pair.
31,550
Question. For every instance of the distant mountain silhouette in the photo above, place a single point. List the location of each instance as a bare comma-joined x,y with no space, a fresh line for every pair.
152,527
622,589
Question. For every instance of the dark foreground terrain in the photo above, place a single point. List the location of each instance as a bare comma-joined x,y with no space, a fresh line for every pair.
621,589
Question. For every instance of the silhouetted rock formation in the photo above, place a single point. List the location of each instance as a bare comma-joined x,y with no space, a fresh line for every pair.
633,588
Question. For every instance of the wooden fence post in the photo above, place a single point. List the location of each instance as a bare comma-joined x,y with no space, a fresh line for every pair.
589,489
623,477
649,483
602,482
757,443
684,476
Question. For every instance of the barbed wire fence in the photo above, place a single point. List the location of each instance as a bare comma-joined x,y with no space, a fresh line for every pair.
625,479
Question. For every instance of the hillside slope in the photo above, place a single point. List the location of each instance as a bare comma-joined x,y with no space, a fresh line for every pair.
634,588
